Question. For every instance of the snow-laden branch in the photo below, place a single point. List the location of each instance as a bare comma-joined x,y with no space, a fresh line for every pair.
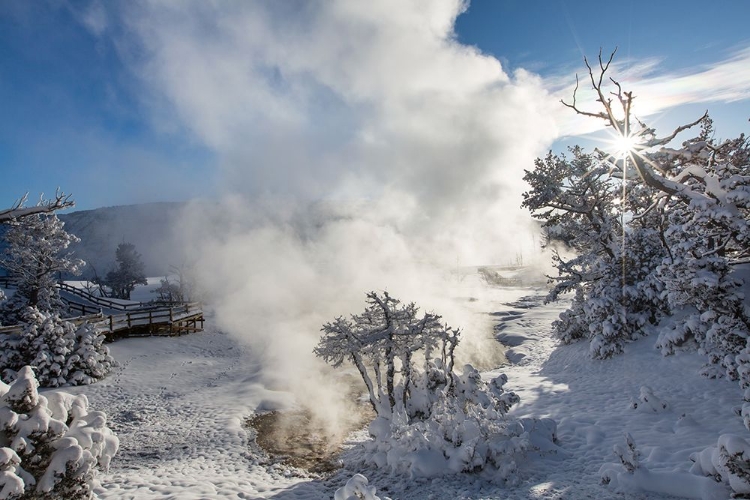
18,210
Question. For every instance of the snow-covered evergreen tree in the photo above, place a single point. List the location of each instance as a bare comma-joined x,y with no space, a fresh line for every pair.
51,446
709,236
34,257
129,272
60,352
581,206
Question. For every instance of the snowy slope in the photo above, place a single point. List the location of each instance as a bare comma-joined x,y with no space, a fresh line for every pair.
160,231
178,406
150,227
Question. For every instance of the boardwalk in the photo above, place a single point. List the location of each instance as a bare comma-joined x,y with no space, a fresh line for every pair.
120,318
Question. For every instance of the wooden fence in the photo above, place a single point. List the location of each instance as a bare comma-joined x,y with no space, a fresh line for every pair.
169,321
175,320
79,320
138,318
7,282
103,301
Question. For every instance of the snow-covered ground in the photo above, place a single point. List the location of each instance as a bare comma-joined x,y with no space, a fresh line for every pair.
179,405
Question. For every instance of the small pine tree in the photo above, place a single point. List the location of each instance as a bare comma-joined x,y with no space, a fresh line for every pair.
129,273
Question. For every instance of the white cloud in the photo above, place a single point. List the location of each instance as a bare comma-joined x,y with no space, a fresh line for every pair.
94,17
299,96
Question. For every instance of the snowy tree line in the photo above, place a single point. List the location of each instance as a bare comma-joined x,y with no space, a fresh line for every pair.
655,231
50,446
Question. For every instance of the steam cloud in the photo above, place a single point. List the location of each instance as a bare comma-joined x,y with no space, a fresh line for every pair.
361,147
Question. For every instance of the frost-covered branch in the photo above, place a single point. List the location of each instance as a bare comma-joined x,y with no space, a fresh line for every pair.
18,210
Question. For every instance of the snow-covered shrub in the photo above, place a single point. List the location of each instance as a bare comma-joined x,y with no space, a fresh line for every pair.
60,352
629,461
356,488
628,454
713,301
648,401
465,429
51,445
430,420
728,461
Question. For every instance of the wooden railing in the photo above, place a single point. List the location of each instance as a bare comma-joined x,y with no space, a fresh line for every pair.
80,308
163,316
102,301
106,302
7,282
166,321
139,318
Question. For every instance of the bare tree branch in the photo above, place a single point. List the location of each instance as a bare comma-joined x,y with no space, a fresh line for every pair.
18,210
669,138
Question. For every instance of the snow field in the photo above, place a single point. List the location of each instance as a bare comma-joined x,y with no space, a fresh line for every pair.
178,406
592,401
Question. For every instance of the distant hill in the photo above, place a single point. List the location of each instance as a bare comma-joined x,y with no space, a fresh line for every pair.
150,227
156,229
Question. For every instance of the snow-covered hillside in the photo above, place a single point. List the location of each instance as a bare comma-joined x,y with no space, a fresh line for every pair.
162,231
150,227
179,407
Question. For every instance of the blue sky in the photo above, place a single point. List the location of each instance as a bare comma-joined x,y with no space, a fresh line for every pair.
123,102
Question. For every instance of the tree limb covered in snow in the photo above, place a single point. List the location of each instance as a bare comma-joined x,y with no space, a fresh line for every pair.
18,210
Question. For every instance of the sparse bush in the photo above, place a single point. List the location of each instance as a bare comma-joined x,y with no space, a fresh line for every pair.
429,418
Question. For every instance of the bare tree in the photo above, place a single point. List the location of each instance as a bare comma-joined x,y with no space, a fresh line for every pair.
382,341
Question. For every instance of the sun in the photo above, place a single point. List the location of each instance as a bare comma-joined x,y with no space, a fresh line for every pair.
623,144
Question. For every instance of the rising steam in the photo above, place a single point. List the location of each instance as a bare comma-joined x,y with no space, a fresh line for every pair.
361,146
